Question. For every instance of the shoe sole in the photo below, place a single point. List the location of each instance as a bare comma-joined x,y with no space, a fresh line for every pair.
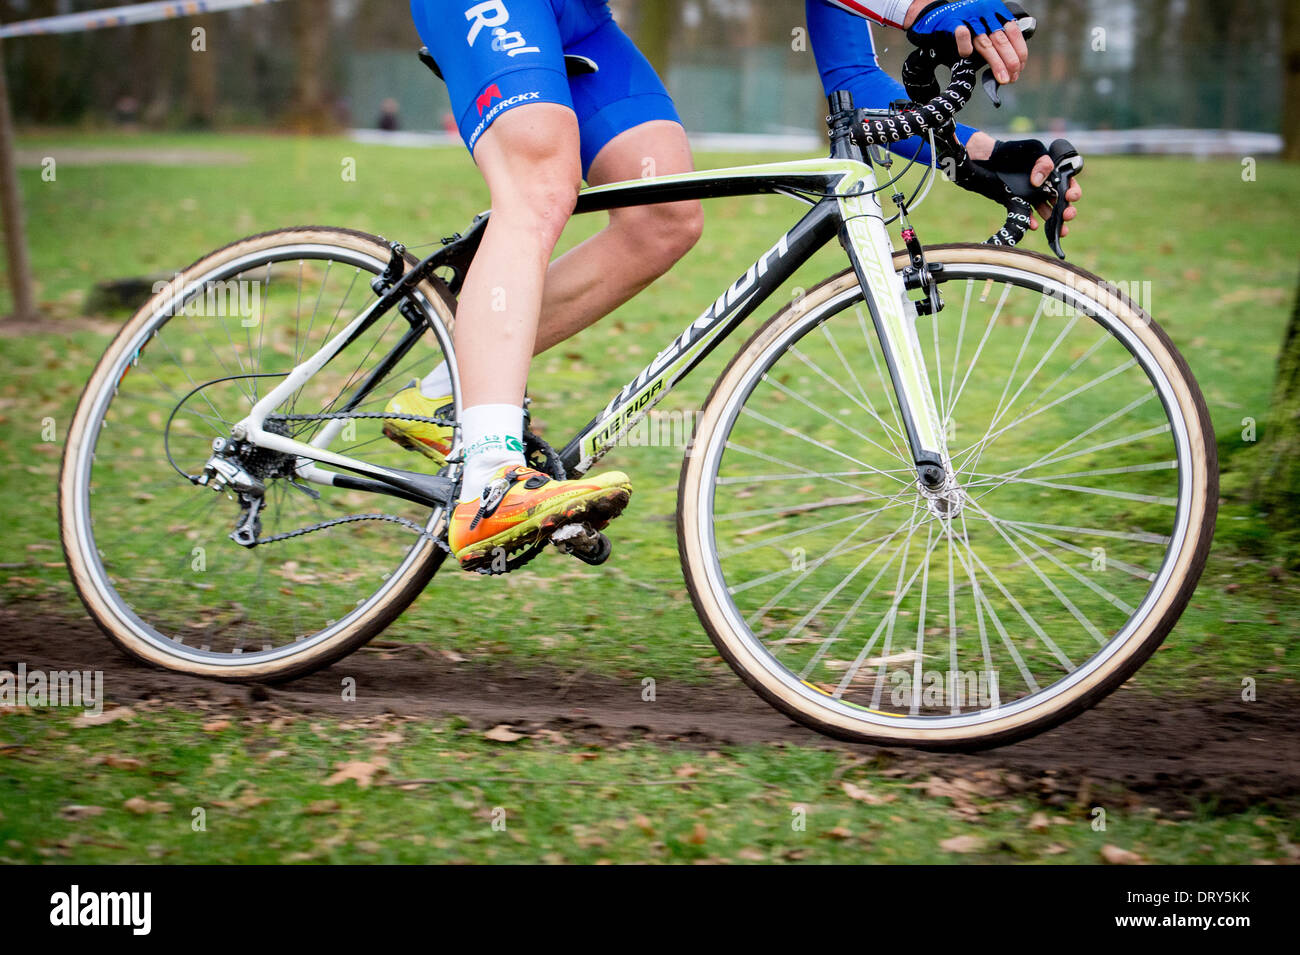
401,439
595,511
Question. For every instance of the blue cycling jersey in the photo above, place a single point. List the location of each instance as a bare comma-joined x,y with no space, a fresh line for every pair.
496,55
846,58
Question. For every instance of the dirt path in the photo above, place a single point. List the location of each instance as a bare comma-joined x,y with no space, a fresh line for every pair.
1165,752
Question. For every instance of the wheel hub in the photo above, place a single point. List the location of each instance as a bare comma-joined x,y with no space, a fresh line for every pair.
948,499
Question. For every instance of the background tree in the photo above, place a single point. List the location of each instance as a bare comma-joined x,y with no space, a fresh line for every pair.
310,112
201,74
1278,484
1291,80
656,23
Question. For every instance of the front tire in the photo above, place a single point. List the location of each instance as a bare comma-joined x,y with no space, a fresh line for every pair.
1069,632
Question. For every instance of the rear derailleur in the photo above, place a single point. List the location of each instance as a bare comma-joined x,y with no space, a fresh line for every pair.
224,472
242,468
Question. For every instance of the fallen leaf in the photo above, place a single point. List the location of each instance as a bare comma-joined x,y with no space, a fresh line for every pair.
1117,856
145,807
962,844
937,787
216,726
321,807
865,795
80,812
107,716
358,771
1038,822
503,733
699,835
123,762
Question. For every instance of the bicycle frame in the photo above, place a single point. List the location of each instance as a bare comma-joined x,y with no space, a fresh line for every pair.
848,208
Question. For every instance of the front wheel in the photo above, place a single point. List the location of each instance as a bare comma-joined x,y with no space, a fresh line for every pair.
1072,531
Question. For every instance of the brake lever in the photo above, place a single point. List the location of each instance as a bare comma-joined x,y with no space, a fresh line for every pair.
1028,25
1067,164
990,84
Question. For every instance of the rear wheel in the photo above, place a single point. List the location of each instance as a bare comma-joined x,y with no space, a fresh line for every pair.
149,551
1069,538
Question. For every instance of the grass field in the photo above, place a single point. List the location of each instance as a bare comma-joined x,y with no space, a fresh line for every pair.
1211,256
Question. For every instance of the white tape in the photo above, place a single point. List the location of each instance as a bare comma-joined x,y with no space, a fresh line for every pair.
121,16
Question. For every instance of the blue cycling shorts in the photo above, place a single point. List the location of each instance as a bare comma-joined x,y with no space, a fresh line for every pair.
496,55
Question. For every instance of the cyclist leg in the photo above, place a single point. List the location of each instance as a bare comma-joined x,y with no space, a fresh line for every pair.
529,159
504,68
511,94
639,244
630,129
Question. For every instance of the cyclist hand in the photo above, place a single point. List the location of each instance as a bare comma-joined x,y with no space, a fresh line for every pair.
986,27
1025,156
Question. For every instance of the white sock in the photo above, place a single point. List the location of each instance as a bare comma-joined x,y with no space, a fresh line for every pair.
493,438
437,383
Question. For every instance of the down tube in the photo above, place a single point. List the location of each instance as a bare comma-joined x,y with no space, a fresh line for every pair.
693,345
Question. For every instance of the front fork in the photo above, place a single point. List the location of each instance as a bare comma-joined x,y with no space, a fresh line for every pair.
893,313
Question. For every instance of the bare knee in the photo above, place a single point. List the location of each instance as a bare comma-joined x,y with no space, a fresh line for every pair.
661,234
540,209
532,171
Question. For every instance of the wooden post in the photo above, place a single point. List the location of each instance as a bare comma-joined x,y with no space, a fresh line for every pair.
11,205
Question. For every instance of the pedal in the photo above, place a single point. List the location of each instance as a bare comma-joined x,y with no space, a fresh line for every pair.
583,542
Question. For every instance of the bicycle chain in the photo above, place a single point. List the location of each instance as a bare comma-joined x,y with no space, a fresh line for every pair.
353,518
551,463
334,415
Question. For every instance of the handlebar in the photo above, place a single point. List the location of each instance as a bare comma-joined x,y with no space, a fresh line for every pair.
934,110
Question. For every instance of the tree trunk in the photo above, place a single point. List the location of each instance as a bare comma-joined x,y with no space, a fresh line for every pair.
1291,69
201,76
44,65
310,112
11,210
654,28
1278,488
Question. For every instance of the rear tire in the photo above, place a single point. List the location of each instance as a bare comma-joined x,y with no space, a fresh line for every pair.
143,624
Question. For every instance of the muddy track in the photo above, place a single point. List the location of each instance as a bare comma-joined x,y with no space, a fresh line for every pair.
1164,752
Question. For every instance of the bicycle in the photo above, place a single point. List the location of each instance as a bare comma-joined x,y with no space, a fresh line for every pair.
862,559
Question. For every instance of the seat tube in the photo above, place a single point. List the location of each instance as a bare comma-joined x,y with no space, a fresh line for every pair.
894,316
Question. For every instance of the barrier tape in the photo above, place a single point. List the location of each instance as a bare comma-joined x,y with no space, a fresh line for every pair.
121,16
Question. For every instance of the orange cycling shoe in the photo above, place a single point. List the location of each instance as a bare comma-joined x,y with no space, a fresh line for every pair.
520,505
